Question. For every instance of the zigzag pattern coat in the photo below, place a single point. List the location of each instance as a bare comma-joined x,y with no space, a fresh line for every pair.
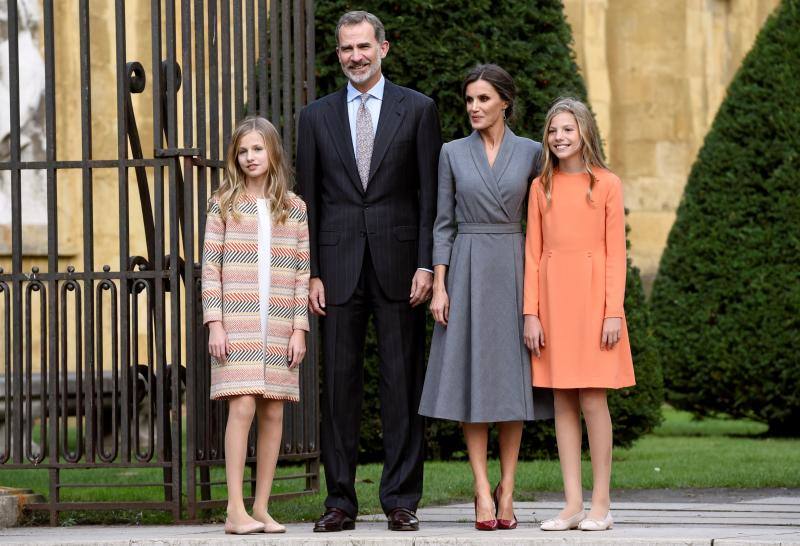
230,293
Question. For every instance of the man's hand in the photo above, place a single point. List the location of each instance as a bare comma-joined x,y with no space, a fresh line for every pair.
421,286
316,296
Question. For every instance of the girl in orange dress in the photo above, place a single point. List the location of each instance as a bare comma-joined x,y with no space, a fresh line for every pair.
574,289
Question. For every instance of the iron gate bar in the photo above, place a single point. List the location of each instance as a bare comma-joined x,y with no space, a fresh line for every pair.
88,221
16,228
263,37
90,466
157,299
172,438
134,82
64,164
190,281
286,117
34,285
186,60
250,51
130,76
275,67
71,286
238,61
52,243
225,35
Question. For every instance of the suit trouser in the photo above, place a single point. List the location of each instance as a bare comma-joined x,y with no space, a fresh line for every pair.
401,347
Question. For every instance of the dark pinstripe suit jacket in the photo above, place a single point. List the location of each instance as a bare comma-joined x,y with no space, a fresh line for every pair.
394,216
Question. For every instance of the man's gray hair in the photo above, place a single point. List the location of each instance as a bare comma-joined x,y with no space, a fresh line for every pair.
356,17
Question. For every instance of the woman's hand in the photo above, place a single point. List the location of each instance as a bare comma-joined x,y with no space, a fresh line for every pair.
297,348
612,329
218,345
440,305
533,335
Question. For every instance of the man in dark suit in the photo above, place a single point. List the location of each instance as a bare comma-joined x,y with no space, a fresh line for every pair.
366,166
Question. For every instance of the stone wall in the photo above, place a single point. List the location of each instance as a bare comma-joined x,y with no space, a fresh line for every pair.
657,71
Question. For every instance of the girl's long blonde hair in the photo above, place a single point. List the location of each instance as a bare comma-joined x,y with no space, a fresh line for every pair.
278,171
590,144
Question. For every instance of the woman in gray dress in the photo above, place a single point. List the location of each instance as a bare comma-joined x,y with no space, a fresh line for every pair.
479,370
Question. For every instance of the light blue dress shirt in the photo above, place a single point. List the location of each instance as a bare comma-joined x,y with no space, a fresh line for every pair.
373,105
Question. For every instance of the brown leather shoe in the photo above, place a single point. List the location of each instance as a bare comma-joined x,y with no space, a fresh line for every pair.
402,519
334,519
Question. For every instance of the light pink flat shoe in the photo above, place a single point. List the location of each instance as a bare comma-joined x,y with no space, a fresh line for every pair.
558,524
244,529
591,524
270,525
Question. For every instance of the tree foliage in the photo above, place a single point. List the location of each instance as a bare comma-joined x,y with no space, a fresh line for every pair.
726,300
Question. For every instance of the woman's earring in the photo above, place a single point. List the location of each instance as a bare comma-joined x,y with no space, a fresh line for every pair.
504,114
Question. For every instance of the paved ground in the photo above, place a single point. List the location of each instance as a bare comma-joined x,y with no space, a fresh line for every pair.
718,518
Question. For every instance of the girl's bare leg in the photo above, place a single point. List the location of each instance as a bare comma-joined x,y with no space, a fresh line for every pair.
476,436
510,438
568,438
598,424
241,410
270,429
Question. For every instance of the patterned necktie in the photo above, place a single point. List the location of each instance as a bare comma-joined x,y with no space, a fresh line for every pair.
364,138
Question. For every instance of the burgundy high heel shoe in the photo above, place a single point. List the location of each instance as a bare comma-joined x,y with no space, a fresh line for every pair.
487,525
503,523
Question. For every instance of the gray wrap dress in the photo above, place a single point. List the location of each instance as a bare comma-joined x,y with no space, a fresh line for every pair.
479,369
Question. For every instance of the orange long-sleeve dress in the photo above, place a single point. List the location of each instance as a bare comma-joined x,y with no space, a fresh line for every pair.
575,269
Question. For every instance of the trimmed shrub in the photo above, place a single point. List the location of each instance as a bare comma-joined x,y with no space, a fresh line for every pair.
433,45
726,300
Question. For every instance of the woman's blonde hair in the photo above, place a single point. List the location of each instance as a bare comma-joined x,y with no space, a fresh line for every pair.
590,143
278,171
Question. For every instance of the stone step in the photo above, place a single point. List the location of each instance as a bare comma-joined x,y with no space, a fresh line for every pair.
12,499
375,534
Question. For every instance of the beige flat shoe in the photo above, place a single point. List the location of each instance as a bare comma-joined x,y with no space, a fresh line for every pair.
558,524
244,529
270,525
591,524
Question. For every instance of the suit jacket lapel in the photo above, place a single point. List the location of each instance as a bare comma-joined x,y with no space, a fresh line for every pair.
339,128
486,172
392,114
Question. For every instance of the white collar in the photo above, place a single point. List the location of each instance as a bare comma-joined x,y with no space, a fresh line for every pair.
376,91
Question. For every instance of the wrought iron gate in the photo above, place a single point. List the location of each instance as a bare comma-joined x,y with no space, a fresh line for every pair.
122,347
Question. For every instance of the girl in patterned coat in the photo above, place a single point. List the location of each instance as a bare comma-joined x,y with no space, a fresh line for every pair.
255,293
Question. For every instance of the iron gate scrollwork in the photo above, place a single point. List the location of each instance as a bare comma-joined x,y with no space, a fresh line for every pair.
98,361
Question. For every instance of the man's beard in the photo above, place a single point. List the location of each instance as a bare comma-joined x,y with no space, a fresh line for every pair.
361,78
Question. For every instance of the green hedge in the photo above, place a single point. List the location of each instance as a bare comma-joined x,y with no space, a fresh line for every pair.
726,300
433,45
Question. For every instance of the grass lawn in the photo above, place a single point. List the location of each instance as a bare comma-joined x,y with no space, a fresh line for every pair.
681,453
